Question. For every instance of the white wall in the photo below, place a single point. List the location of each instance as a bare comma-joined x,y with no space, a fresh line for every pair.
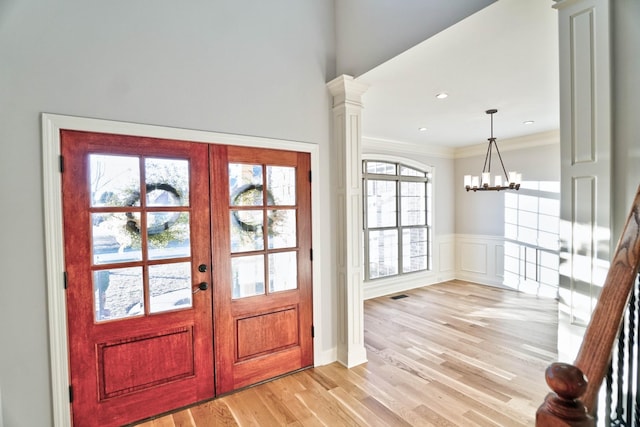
244,67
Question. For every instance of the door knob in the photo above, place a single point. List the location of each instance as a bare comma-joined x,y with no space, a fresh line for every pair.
201,287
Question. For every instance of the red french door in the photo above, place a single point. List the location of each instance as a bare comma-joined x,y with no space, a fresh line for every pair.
180,258
262,249
139,326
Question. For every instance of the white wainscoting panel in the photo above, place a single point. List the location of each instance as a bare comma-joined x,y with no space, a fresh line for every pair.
480,259
473,257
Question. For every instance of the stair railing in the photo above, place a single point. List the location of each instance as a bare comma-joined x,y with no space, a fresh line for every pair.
572,402
622,400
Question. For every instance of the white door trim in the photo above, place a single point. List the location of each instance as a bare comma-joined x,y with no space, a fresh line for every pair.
54,242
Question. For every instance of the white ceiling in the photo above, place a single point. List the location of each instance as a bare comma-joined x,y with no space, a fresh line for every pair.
505,56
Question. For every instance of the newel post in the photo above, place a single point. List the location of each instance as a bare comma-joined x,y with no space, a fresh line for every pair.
562,407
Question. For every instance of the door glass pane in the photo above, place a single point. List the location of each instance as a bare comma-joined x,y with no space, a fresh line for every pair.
381,203
283,271
167,182
168,235
247,276
246,230
413,199
414,249
169,286
282,228
383,253
115,180
245,184
115,237
281,185
160,194
118,293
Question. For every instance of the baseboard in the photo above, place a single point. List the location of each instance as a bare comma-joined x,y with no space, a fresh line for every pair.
382,287
325,357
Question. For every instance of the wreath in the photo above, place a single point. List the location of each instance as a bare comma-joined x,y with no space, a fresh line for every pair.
133,225
244,192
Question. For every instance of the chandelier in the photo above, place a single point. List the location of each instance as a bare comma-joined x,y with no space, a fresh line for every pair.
483,183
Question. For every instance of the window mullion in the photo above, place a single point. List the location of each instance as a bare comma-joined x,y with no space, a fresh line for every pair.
367,263
365,228
365,203
398,224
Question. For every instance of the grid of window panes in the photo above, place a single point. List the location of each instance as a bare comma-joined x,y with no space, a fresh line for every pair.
135,276
531,230
397,221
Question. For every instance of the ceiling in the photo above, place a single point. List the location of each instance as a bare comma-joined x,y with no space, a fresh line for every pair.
505,57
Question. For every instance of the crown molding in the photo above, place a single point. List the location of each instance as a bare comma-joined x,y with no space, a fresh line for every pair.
511,144
393,147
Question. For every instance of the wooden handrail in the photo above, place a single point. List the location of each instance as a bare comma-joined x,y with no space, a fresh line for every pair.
572,403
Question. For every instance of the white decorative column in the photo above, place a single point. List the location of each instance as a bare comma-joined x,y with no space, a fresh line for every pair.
347,136
586,152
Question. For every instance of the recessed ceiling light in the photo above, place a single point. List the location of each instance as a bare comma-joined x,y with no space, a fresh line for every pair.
528,122
422,129
442,95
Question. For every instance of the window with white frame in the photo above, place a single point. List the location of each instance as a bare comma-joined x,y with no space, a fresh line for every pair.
397,219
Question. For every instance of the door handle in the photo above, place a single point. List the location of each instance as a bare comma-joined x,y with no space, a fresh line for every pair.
201,287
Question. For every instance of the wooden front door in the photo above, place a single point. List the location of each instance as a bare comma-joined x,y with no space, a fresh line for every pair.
157,258
260,204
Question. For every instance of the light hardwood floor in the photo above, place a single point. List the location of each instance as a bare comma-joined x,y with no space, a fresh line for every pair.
451,354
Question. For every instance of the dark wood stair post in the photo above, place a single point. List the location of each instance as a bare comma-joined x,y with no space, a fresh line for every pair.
563,407
572,393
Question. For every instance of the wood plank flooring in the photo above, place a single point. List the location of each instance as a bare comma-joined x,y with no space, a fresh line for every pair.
451,354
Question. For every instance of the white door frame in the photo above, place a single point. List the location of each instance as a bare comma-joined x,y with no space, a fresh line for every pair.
54,242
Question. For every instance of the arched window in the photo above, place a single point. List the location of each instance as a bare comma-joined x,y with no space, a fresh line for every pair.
397,219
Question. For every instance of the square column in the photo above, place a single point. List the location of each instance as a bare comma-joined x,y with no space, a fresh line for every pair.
347,140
